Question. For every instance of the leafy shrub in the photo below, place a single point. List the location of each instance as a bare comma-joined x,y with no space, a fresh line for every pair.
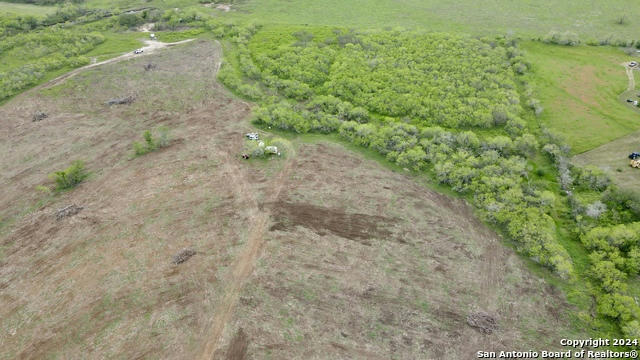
283,115
624,200
152,143
596,209
566,38
592,178
41,52
130,20
70,177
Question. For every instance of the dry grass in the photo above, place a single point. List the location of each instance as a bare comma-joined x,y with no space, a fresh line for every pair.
102,284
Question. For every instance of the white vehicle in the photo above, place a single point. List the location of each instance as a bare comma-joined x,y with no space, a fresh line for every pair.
138,51
252,136
633,64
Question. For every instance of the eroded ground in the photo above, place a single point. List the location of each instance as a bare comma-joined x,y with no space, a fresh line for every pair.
321,254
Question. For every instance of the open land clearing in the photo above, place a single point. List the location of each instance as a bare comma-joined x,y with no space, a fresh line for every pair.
283,246
612,158
581,89
150,47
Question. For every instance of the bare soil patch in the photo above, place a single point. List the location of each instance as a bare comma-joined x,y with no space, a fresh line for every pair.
324,220
238,347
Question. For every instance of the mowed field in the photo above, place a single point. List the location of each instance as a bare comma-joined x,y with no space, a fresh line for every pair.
612,158
595,19
581,89
318,254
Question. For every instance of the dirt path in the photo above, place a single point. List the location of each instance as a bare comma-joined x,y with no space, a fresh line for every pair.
632,81
245,263
150,48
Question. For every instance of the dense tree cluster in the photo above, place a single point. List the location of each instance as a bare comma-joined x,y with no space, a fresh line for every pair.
606,219
11,24
615,255
453,81
40,52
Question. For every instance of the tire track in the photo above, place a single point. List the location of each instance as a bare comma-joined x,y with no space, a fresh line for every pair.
150,48
632,80
245,262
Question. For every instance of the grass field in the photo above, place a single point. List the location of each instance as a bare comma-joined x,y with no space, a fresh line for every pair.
26,9
597,19
580,89
117,43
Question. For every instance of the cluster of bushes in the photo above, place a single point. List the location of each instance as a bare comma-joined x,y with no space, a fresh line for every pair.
566,38
40,52
452,81
70,177
238,72
11,24
571,39
133,19
151,142
606,222
615,257
323,114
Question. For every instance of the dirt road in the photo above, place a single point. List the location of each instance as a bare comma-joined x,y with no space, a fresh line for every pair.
632,81
245,263
150,47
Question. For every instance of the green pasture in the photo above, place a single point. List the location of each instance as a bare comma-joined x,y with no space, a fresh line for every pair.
26,9
580,89
590,19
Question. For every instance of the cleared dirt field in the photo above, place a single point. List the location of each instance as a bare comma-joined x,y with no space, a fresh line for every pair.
612,158
321,254
101,284
364,263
